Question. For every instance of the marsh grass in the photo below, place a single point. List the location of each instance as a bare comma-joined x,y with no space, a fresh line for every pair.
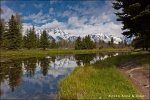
100,80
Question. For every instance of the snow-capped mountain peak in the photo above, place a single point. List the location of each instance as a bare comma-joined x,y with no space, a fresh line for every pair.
58,35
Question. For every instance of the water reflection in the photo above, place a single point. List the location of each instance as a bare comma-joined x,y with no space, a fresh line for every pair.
29,66
84,59
37,78
44,64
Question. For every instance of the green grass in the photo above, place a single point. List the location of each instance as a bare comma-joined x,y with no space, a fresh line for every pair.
143,59
99,80
37,53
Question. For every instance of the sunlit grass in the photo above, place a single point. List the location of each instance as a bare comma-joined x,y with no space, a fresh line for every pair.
35,53
101,80
144,60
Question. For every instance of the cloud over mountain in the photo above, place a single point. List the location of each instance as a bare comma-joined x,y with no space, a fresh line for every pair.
75,17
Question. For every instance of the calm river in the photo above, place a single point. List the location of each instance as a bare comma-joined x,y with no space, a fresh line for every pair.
38,78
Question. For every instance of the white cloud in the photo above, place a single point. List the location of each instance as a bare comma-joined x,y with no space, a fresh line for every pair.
33,16
51,10
81,20
54,24
86,10
7,12
54,1
38,18
109,28
38,6
76,22
22,6
103,18
66,14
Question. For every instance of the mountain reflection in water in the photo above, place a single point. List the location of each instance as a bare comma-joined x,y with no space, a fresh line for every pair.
38,78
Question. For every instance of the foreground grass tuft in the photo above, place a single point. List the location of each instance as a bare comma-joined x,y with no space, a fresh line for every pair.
101,80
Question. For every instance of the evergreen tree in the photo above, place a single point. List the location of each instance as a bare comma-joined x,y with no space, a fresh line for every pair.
5,41
31,39
109,43
85,43
1,11
19,28
135,16
88,42
112,41
2,30
38,41
53,44
78,43
26,41
44,42
14,33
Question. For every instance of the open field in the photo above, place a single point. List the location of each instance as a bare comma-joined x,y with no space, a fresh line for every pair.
101,80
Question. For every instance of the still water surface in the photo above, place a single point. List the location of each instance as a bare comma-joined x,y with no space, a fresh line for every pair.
38,78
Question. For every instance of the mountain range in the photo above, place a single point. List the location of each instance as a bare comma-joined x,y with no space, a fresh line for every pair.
58,35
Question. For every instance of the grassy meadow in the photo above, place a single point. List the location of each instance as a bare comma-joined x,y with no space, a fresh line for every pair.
36,53
100,80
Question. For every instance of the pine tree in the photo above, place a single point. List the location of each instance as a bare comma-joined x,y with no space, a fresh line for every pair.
44,42
19,29
5,41
38,41
26,41
84,43
135,16
112,42
109,43
53,44
78,44
2,30
14,33
31,39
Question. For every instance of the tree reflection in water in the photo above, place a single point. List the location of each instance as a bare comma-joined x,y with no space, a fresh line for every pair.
30,66
27,74
44,64
12,74
84,58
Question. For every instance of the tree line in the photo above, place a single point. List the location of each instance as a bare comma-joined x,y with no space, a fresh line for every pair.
87,43
84,43
11,38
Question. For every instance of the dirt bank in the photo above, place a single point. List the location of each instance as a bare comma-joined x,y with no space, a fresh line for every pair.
139,76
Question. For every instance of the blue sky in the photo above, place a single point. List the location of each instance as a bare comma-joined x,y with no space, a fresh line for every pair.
73,16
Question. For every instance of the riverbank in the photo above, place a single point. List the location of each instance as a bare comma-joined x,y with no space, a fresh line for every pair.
101,80
7,55
138,72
